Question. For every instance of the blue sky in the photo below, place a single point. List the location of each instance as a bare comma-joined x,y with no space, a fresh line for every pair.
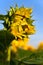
37,6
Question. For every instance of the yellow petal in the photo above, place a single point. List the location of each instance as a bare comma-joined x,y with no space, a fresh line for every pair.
14,49
14,43
18,17
17,12
20,29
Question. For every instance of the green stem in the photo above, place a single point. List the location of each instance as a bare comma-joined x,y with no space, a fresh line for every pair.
9,54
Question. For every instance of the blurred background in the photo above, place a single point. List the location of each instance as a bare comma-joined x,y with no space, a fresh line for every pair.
37,15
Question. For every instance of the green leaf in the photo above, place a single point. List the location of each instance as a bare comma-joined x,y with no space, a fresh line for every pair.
2,17
5,39
4,63
27,57
35,58
29,21
22,54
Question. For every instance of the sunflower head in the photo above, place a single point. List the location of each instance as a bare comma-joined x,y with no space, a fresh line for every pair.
18,21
